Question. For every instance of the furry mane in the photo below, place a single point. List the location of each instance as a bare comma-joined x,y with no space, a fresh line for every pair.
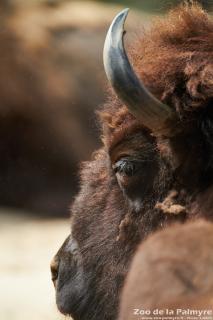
175,61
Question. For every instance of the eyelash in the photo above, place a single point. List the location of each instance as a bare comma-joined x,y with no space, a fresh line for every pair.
126,167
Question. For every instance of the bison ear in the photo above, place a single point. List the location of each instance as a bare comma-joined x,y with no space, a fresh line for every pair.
155,115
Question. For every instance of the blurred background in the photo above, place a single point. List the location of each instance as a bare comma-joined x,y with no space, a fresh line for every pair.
51,82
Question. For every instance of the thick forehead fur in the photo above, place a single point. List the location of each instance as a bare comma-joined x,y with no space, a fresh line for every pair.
174,59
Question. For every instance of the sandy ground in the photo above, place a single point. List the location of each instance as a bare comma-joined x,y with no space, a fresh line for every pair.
26,248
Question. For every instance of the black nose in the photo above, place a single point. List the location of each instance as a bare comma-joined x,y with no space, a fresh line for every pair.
54,266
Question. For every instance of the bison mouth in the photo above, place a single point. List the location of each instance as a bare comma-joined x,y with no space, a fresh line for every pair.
68,279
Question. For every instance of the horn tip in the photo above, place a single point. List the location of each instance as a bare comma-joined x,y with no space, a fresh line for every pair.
124,12
114,34
121,15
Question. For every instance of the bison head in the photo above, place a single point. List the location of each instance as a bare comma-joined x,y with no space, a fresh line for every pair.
155,166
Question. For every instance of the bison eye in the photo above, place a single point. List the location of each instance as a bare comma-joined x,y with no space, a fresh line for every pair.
126,167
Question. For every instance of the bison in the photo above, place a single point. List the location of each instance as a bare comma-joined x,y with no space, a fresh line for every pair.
155,167
172,270
40,114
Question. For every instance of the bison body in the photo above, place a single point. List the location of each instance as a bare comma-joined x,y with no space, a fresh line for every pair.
171,270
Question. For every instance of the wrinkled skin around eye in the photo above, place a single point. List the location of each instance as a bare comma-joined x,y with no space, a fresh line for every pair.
127,167
135,176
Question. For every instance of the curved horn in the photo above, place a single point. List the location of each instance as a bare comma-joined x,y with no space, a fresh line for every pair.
141,103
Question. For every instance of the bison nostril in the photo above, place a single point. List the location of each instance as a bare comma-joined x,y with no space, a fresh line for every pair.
54,265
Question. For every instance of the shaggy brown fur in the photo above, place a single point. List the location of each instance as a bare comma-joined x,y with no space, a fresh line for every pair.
175,61
137,181
171,270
